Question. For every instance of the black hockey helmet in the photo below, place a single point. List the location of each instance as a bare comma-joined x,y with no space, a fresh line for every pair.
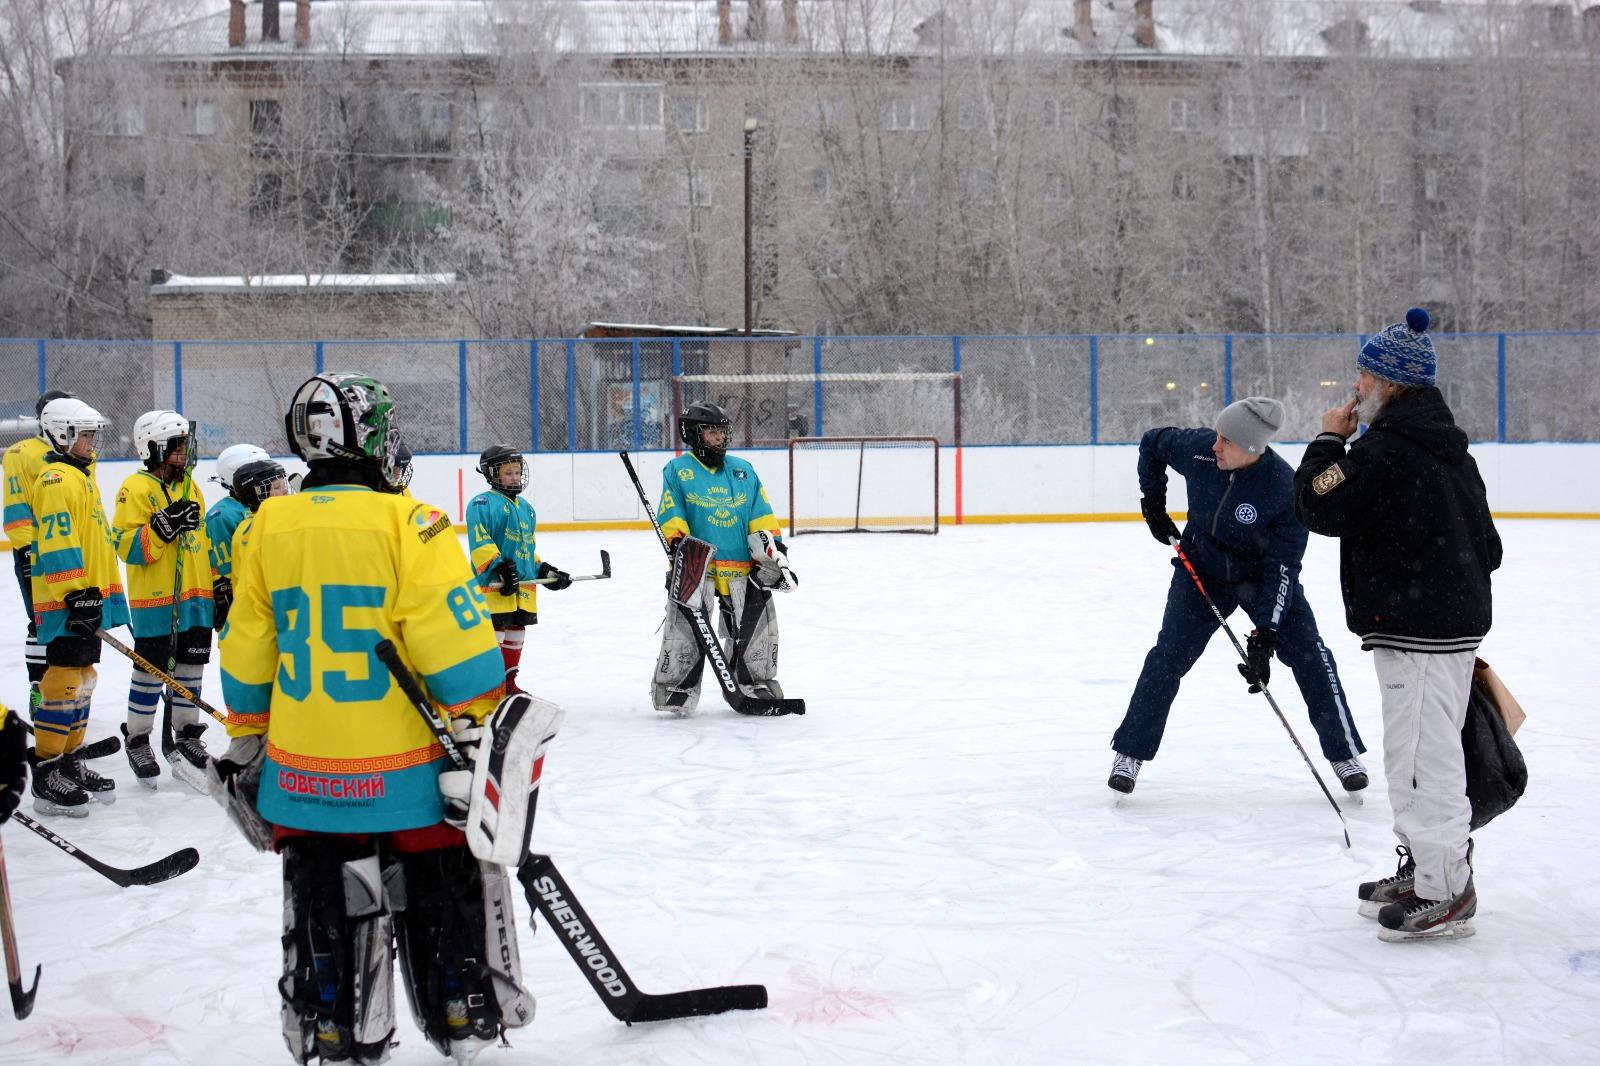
692,424
493,459
253,482
46,397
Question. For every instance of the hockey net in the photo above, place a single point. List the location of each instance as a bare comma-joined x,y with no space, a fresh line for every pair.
863,485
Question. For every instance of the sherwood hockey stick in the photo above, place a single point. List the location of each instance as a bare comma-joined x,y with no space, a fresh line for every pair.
179,862
165,678
548,892
1177,546
21,998
604,574
709,645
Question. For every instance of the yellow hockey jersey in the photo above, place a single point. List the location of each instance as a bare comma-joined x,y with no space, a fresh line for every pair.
156,568
74,548
22,464
319,579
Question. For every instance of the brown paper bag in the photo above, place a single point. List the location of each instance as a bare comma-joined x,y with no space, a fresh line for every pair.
1504,702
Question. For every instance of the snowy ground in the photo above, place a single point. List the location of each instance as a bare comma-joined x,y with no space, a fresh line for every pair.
926,868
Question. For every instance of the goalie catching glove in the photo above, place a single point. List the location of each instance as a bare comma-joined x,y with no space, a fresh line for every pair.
493,800
771,557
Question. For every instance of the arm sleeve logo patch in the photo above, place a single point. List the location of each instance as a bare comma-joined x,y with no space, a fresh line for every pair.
1328,480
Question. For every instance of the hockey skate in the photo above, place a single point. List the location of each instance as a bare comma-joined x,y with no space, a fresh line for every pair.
471,1027
54,792
189,758
1417,918
141,758
100,789
1124,773
1375,895
1352,775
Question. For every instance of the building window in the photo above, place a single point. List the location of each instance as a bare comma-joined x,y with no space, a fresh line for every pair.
201,117
128,119
1292,110
830,113
696,187
969,114
1182,187
903,186
1055,113
980,184
432,134
620,107
1238,110
1322,115
1183,114
906,113
1388,190
691,114
266,126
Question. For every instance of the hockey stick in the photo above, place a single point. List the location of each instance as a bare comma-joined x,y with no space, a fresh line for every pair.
179,862
605,573
1177,546
549,893
709,645
161,675
97,749
21,998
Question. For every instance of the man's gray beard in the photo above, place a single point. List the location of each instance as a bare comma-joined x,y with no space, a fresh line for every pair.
1369,407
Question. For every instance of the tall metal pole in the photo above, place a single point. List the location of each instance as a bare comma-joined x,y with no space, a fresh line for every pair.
749,261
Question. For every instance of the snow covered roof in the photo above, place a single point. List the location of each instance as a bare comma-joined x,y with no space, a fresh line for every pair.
180,283
1199,28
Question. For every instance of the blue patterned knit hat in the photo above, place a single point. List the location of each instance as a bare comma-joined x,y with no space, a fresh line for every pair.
1402,353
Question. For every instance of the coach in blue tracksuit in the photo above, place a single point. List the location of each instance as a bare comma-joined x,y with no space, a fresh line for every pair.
1246,543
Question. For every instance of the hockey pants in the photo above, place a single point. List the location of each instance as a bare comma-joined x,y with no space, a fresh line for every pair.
1186,629
749,630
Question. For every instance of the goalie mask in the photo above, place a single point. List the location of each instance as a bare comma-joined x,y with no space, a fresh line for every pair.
504,469
696,420
350,417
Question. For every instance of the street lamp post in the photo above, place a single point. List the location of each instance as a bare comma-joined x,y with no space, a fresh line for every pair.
749,257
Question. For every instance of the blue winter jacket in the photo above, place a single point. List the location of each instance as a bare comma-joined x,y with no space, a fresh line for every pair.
1242,526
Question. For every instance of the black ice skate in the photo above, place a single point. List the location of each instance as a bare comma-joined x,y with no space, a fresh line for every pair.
189,758
100,789
1375,895
1124,772
1352,775
1417,918
53,791
141,758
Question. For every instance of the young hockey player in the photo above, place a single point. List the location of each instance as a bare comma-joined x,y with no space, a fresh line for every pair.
500,535
1246,543
717,497
77,590
344,771
221,521
22,463
160,537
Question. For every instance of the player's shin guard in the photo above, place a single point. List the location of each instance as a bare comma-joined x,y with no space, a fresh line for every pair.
511,641
338,979
60,692
458,951
184,712
87,679
144,696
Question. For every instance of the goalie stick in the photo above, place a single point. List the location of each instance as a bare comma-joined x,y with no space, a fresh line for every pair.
21,998
179,862
549,893
554,899
707,639
605,573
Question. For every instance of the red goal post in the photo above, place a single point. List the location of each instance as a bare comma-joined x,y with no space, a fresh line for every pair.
863,485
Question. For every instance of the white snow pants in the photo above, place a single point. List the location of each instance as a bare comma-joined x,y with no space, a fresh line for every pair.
1424,706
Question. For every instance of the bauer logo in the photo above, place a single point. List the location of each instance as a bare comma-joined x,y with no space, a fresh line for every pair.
1245,514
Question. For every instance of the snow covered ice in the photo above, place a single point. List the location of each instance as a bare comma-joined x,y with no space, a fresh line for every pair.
927,868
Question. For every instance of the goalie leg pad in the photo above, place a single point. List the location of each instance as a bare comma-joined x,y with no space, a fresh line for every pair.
676,685
337,985
458,951
752,620
505,777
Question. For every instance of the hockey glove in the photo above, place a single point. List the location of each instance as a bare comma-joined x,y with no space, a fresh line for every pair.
83,611
506,576
234,780
771,557
1162,527
456,785
562,578
221,601
13,764
1258,649
174,519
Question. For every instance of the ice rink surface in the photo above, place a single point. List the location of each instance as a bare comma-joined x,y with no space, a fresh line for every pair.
927,868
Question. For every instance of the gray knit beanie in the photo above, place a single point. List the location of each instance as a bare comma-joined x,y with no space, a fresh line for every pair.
1251,422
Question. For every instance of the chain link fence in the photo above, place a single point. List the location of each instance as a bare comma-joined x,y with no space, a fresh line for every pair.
597,395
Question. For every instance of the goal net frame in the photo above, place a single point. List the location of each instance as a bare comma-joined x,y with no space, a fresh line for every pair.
861,443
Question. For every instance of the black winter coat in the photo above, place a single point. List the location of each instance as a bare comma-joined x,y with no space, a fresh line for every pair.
1416,542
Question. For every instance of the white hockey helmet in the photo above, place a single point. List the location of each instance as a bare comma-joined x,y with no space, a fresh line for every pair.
63,420
232,458
347,416
155,432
